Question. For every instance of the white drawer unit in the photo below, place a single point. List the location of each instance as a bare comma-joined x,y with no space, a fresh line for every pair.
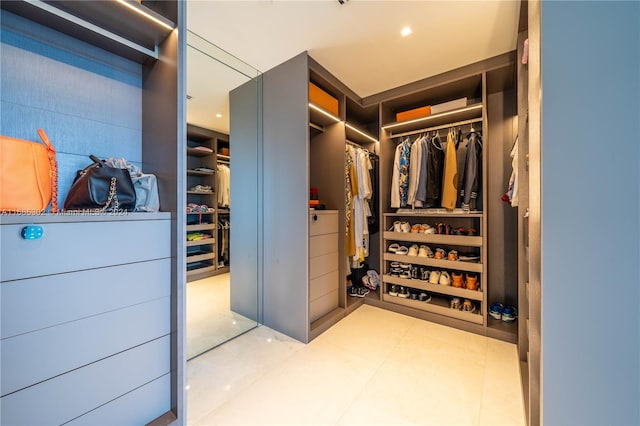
323,263
85,316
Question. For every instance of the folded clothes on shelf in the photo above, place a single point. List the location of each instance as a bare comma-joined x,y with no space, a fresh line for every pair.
199,208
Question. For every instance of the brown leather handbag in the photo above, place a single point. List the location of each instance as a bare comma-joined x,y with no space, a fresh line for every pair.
28,175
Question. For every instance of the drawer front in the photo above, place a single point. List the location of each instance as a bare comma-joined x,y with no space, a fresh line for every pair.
30,358
71,395
74,246
320,265
36,303
139,407
323,305
323,285
325,223
323,244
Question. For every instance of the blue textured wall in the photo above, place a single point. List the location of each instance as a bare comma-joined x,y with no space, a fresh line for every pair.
590,213
87,100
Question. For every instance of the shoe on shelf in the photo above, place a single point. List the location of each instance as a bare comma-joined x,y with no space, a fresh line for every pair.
509,314
443,228
374,279
413,295
496,310
415,273
406,270
456,280
404,292
467,306
440,254
472,282
415,228
445,279
402,251
434,277
428,229
397,226
453,255
413,250
455,303
424,274
425,251
472,232
459,231
393,290
405,227
424,297
393,248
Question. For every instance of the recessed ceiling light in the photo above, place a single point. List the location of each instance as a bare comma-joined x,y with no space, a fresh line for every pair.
219,115
406,31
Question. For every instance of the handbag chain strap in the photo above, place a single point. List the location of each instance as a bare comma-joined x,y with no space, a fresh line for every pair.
113,197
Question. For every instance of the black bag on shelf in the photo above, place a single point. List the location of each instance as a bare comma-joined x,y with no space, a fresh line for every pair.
99,187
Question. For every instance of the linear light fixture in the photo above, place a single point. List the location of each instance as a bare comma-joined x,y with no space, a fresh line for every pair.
145,14
431,117
337,119
361,132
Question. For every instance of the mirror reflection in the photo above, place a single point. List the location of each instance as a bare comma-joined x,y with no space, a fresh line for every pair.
222,216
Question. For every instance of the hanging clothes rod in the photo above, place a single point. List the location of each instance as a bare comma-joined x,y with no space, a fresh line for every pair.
222,161
357,145
443,126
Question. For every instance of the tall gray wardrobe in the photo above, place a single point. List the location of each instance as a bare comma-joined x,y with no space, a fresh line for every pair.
304,147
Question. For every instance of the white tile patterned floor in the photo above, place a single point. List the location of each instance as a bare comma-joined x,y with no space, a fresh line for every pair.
375,367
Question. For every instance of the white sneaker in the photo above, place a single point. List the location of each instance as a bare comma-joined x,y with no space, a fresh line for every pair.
445,279
405,227
425,251
396,226
434,277
413,250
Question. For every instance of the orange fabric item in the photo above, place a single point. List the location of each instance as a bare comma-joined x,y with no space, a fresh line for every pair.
28,175
413,113
322,99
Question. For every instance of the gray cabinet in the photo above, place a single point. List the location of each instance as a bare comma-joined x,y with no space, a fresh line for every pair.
85,326
323,263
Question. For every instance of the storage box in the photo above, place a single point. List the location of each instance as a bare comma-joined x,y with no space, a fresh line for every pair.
322,99
412,114
448,106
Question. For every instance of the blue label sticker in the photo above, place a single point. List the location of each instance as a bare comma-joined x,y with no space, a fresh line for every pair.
32,232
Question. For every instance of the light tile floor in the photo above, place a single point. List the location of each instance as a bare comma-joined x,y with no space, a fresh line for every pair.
210,320
375,367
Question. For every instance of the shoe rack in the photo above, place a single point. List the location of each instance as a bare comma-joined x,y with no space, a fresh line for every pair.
202,223
442,297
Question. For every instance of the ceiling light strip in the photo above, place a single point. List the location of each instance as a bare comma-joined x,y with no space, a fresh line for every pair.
320,110
433,117
138,9
372,139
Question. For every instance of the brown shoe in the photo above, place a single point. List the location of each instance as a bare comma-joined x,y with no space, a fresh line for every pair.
456,280
471,282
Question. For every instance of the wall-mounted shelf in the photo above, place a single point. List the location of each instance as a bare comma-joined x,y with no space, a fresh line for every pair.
123,28
448,118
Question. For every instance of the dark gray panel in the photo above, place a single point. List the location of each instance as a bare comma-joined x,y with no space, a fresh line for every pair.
71,395
502,264
286,195
33,304
40,355
64,247
245,111
134,408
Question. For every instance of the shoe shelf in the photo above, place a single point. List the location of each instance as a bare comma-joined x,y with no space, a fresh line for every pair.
459,265
434,288
201,192
454,240
199,173
435,212
202,242
199,255
437,305
198,152
201,227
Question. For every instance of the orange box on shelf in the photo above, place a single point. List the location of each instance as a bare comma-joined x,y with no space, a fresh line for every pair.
424,111
322,99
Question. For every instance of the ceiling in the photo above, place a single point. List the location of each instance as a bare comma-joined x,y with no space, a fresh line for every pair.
359,42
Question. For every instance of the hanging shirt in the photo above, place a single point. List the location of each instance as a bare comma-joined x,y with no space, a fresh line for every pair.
461,156
471,191
395,179
349,173
405,158
414,171
450,176
513,180
421,190
434,171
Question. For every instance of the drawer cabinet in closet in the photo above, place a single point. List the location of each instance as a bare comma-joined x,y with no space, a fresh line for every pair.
323,263
85,316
